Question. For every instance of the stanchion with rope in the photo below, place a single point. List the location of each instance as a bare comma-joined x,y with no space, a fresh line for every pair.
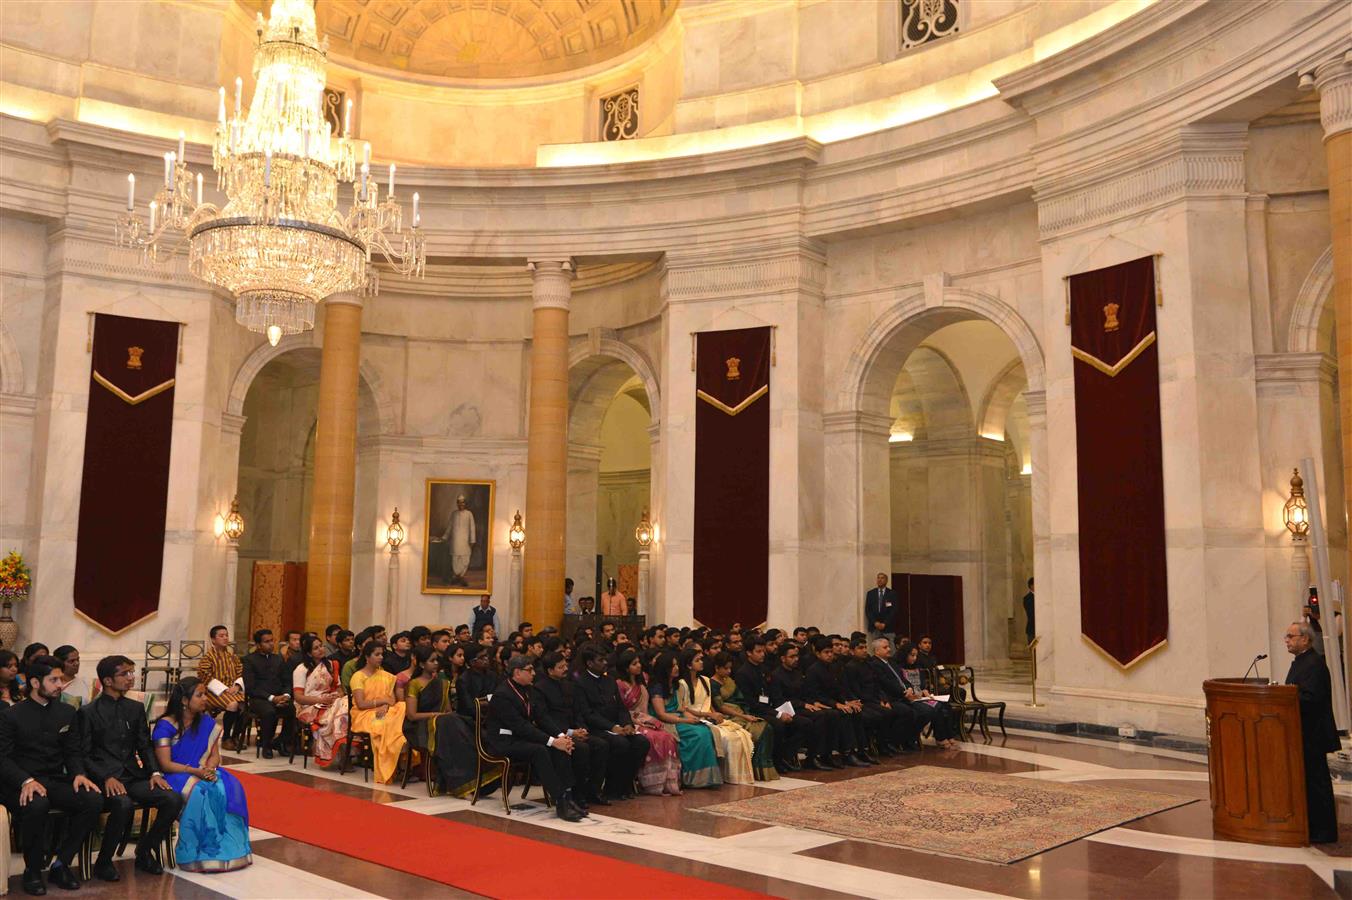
1032,657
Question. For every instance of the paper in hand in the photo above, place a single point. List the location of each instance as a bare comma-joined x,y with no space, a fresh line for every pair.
216,688
785,708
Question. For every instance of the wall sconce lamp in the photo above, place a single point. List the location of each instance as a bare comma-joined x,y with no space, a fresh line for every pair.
232,526
394,532
1296,512
517,535
644,532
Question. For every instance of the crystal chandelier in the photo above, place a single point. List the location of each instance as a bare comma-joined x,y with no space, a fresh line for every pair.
279,244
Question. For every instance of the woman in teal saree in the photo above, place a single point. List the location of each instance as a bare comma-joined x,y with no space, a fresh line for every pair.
213,830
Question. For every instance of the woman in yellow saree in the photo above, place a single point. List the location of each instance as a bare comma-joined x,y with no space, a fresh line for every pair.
375,711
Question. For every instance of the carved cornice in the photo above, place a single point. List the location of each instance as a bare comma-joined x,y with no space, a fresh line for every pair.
856,422
1202,161
745,272
80,255
1293,368
18,404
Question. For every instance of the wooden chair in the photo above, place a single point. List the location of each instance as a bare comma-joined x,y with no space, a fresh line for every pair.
485,758
189,653
358,742
980,709
944,680
428,765
158,659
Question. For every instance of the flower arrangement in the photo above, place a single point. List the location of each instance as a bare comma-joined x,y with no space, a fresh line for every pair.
15,578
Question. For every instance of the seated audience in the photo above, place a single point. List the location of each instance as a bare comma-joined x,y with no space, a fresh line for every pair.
607,719
554,711
728,700
732,742
78,691
928,711
699,758
821,723
375,712
10,693
121,761
221,671
421,635
267,684
925,653
824,689
320,702
891,723
213,829
753,683
426,696
330,639
509,731
351,665
400,654
42,769
661,770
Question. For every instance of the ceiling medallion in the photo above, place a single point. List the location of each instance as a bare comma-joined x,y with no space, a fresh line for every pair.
279,244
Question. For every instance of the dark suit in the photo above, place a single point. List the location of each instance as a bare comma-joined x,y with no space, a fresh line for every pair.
1030,610
754,683
117,745
819,728
470,686
601,709
892,724
510,731
555,713
1319,737
267,675
42,742
825,683
880,604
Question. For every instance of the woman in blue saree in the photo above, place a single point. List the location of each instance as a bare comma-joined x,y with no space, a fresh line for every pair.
694,742
213,831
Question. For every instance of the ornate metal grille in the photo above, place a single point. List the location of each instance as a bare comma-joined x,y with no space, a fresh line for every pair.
923,21
619,116
333,109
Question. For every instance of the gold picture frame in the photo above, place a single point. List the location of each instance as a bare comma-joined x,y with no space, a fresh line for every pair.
470,571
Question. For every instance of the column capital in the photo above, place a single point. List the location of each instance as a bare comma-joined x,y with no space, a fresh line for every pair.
347,298
1333,81
551,282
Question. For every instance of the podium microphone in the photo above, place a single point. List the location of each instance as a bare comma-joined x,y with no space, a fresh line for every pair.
1253,666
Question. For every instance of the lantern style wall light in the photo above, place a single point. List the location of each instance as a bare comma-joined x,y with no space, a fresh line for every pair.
394,532
1296,512
644,532
233,526
517,536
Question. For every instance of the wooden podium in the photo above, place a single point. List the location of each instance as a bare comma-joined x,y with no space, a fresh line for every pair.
1256,766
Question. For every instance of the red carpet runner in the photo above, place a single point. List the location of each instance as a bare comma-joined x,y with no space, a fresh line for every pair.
473,859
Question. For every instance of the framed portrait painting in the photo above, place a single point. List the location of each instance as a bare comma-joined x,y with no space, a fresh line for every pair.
458,536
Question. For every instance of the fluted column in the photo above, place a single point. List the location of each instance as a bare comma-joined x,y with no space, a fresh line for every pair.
330,562
547,442
1333,80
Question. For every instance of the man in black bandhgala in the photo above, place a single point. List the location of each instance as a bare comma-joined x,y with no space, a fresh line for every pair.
1319,734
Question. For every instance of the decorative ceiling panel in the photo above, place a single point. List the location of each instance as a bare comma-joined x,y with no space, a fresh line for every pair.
488,38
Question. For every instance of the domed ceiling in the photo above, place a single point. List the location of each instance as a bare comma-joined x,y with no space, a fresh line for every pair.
488,38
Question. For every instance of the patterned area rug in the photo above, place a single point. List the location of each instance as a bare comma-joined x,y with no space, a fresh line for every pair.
974,815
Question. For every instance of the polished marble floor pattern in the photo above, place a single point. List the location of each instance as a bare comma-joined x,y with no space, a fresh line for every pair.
1169,854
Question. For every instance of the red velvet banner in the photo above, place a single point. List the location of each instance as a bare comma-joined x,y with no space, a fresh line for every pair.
124,492
732,477
1124,601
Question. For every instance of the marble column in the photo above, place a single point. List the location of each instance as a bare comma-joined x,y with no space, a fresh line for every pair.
547,442
1333,80
329,577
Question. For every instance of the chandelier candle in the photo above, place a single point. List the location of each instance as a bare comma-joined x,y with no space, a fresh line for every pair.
279,243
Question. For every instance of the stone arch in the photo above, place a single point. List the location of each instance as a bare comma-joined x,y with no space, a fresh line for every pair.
1004,390
1311,299
868,378
11,364
938,388
266,353
596,371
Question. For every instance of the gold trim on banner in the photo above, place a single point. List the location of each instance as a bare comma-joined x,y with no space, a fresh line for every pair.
1113,659
1113,371
733,410
106,630
139,398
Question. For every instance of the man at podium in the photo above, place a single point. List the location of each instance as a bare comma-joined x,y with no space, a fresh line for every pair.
1319,734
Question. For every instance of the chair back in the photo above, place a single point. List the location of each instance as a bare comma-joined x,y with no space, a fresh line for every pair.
479,730
189,652
158,651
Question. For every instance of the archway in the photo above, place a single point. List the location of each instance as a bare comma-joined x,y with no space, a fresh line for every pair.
276,462
935,404
611,429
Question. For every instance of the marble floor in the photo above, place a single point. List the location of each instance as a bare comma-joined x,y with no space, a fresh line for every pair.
1169,854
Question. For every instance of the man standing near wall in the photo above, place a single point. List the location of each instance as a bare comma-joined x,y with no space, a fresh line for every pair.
880,609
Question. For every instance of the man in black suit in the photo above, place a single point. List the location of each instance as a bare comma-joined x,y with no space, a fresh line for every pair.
1030,613
607,719
509,731
267,684
753,681
880,609
556,713
892,690
42,769
823,724
121,760
824,686
890,725
1319,734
